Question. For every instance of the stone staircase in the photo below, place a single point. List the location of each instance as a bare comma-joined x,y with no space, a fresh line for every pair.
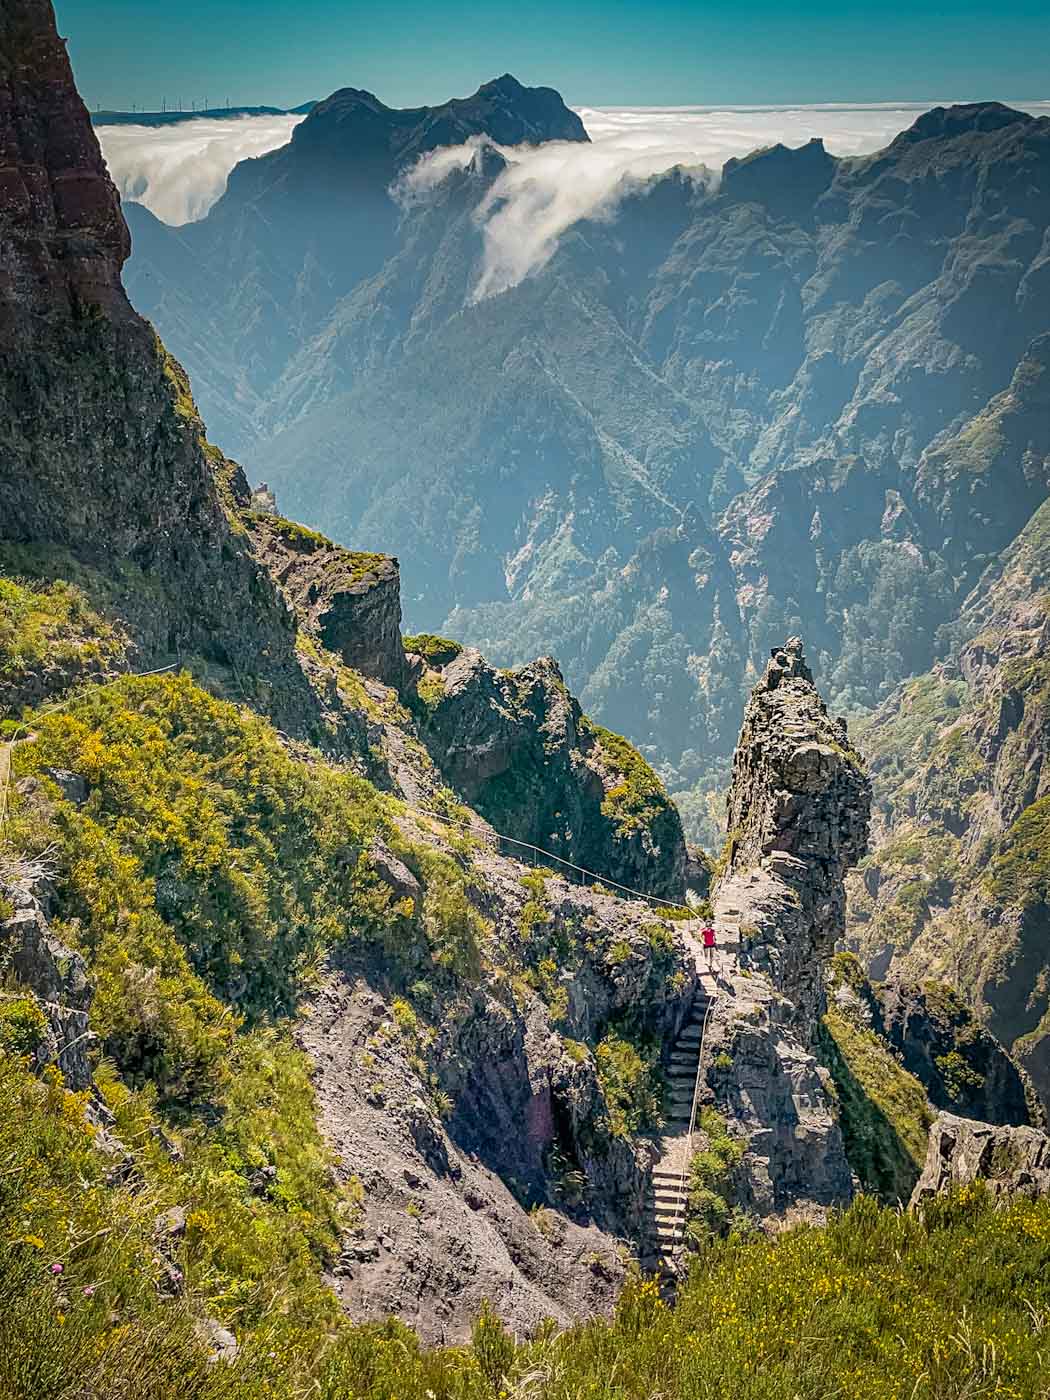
666,1215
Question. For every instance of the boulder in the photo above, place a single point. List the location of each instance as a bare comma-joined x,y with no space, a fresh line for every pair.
1013,1161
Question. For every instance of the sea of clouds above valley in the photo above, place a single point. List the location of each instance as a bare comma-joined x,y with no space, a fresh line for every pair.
179,171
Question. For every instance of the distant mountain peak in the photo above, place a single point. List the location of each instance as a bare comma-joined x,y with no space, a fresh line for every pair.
962,118
786,179
353,146
507,82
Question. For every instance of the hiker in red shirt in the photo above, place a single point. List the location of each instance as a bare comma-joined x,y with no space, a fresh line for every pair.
708,936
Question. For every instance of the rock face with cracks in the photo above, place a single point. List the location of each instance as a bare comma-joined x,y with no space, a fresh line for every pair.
798,818
1013,1161
519,749
798,813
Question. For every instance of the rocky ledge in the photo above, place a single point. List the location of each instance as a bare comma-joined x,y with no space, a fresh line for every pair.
349,600
519,749
1012,1161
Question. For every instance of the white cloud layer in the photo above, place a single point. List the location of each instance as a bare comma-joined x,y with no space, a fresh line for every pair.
180,170
546,189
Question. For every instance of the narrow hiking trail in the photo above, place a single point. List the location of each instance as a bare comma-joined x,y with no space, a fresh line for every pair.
669,1180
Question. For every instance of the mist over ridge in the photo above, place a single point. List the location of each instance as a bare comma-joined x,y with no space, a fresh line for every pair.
179,172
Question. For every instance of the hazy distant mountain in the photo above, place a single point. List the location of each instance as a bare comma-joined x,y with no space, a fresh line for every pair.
720,417
108,118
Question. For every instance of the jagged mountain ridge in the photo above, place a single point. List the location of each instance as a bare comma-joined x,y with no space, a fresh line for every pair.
955,886
299,228
474,1037
718,417
227,854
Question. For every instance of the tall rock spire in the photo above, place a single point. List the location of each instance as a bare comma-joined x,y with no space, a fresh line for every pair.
798,812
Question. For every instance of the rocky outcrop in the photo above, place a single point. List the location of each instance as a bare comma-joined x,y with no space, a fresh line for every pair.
350,601
64,240
765,1079
798,811
34,961
493,1173
102,454
959,1063
798,815
1011,1161
518,748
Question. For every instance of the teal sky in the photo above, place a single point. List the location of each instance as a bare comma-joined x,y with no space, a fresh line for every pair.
666,52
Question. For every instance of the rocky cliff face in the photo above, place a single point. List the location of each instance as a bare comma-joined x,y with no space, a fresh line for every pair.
959,1063
518,747
798,817
102,456
350,602
486,1039
1010,1161
499,1177
798,812
956,886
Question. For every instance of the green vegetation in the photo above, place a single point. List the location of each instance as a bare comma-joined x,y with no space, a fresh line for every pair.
52,623
438,651
1020,875
728,851
430,690
639,797
711,1179
631,1083
353,564
23,1025
951,1301
884,1113
902,742
208,871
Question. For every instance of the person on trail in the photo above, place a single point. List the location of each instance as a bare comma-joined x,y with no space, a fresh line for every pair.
708,935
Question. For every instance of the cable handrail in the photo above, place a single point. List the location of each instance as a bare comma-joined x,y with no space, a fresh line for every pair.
679,1210
488,831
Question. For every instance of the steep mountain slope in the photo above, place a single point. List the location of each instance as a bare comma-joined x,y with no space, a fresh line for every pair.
299,229
796,399
278,1045
955,885
185,888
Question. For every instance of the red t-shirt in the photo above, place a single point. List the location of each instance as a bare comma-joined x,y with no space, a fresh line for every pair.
708,935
